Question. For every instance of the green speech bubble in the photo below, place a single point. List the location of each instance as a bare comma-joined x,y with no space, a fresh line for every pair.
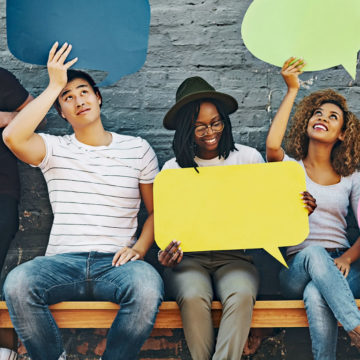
325,33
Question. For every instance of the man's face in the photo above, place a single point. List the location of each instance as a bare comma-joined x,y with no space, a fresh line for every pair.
79,104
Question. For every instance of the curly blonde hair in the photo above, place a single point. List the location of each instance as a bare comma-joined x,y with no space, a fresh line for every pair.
345,155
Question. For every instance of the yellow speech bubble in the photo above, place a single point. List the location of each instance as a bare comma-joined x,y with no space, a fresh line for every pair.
323,32
231,207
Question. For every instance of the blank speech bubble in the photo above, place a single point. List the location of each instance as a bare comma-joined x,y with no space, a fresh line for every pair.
325,33
231,207
108,35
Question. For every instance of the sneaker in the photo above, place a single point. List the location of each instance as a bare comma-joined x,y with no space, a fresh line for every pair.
7,354
62,356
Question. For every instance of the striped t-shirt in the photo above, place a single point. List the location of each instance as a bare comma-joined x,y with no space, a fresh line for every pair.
94,191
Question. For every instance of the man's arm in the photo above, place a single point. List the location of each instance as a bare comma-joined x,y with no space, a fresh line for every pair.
43,121
20,134
146,238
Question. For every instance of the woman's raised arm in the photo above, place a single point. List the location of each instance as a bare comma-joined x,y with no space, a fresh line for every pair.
290,71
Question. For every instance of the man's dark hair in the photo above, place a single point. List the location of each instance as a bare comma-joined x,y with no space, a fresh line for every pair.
184,145
78,74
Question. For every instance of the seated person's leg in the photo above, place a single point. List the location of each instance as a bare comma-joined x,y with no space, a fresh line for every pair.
9,224
137,287
353,278
318,264
190,284
34,285
8,227
294,279
322,324
236,284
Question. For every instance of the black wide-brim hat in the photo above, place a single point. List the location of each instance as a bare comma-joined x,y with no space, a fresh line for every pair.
195,88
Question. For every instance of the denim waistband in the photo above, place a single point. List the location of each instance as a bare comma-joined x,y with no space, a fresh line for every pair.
330,250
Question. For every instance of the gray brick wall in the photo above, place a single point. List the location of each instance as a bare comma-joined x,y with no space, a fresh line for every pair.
187,38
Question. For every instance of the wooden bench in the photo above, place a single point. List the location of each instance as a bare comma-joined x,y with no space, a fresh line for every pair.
98,314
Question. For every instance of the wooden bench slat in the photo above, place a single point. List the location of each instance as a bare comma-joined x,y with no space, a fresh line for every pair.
167,305
99,314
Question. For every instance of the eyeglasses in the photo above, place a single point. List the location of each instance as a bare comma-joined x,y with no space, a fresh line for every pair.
202,130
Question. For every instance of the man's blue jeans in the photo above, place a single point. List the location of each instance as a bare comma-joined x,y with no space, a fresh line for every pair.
46,280
328,296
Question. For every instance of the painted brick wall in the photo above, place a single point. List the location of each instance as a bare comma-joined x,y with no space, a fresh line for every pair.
187,38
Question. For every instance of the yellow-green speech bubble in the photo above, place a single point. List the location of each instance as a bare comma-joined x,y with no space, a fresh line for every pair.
231,207
325,33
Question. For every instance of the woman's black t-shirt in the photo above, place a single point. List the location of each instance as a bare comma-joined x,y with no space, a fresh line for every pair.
12,96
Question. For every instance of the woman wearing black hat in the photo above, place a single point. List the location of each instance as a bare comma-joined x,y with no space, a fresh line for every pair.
203,137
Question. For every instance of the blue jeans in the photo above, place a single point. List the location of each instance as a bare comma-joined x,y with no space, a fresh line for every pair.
46,280
327,294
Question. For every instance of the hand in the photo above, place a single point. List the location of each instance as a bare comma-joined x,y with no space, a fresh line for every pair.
6,117
309,201
124,255
291,70
56,65
343,264
172,255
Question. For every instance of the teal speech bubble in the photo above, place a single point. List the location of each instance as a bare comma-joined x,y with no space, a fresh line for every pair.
109,35
325,33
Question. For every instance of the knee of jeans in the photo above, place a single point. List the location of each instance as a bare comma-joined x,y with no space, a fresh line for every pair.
316,260
147,289
18,284
289,289
314,252
312,295
13,284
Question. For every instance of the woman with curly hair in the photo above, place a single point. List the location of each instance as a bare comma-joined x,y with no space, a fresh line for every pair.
324,139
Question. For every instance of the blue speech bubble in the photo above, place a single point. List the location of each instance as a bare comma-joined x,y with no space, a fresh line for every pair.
110,35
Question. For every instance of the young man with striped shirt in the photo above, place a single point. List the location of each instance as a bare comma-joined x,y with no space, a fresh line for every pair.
96,180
